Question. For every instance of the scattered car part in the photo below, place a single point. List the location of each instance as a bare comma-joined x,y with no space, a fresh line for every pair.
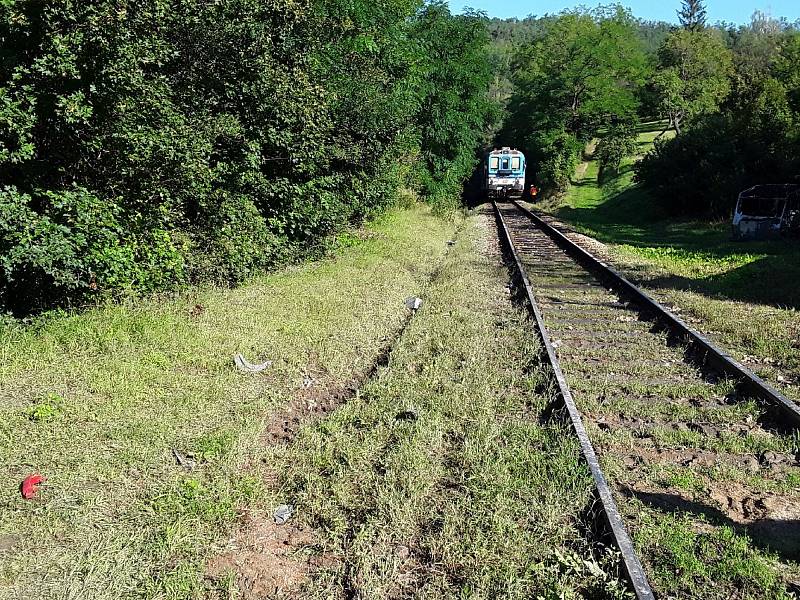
247,367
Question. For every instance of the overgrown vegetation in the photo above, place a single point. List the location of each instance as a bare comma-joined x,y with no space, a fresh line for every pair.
731,93
147,145
442,477
99,402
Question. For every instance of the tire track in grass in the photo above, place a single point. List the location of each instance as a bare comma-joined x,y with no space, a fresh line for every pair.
263,556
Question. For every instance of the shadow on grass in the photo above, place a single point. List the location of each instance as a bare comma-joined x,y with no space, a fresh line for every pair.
769,280
651,126
770,275
774,535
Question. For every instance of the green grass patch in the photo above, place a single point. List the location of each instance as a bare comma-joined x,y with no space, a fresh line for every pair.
98,401
691,561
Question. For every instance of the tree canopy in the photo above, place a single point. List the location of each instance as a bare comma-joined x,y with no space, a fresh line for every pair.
692,15
579,75
692,75
581,81
147,145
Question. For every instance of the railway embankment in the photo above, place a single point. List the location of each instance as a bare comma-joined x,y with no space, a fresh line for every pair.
151,441
383,451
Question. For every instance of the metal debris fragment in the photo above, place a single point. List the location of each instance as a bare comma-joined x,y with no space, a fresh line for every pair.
414,303
283,513
184,460
247,367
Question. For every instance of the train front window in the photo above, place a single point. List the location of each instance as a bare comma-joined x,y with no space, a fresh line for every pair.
504,166
494,162
515,163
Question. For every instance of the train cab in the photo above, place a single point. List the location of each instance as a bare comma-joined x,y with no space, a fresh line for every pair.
504,173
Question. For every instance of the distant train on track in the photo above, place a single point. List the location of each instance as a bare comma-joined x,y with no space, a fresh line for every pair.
504,174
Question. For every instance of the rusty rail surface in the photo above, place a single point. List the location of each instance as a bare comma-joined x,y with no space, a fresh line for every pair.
621,539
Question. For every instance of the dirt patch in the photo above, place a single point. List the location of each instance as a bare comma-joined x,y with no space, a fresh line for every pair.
696,459
742,506
771,520
267,560
8,542
315,400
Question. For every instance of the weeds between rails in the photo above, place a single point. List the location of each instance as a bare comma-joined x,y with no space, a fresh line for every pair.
705,477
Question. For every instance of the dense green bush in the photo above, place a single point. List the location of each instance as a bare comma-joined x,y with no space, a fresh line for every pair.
75,243
150,144
753,138
455,108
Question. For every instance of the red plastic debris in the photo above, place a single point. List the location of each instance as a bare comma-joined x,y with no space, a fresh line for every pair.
30,485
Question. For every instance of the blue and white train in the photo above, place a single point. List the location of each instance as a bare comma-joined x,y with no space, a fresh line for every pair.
504,174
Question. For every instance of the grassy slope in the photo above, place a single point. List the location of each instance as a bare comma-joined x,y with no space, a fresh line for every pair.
743,294
96,403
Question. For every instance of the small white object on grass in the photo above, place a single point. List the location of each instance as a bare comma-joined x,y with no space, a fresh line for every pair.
246,367
414,303
283,513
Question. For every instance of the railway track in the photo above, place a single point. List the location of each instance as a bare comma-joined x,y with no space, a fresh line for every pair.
694,459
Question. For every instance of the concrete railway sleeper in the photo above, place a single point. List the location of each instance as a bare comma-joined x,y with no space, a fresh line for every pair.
695,459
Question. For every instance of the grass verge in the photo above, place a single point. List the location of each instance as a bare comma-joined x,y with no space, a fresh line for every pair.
439,478
99,402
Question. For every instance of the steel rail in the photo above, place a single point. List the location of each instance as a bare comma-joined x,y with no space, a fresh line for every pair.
718,358
630,561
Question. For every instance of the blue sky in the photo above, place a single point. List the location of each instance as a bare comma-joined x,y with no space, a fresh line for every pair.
737,11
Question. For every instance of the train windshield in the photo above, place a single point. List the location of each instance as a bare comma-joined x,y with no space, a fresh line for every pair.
494,162
515,163
504,166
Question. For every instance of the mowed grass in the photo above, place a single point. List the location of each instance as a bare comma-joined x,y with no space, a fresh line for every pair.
441,479
97,402
745,295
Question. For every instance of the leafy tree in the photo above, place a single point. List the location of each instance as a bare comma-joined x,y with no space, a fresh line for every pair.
144,146
692,15
618,143
580,75
456,112
753,138
693,75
